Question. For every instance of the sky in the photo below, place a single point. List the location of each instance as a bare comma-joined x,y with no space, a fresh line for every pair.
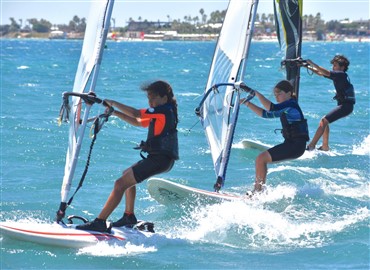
63,11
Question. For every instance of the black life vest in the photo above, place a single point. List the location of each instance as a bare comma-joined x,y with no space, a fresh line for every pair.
345,92
346,96
165,143
296,129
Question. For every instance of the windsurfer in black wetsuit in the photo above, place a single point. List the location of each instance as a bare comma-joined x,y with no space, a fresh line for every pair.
345,96
161,146
294,128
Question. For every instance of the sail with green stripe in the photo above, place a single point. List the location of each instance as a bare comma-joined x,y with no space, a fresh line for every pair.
288,20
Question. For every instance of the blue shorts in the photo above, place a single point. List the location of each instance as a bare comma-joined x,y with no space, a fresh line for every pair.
152,165
289,149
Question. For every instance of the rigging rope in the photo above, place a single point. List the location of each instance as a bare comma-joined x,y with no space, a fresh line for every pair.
96,127
90,98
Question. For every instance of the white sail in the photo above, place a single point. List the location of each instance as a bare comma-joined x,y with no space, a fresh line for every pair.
85,81
219,108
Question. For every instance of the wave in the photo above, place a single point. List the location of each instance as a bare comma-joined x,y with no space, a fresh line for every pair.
363,148
254,226
346,182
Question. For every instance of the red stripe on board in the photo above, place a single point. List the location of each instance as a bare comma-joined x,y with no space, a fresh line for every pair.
97,235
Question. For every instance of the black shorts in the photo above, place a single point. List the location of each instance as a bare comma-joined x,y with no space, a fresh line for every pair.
152,165
289,149
339,112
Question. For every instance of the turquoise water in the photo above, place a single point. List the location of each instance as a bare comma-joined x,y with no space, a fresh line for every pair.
316,213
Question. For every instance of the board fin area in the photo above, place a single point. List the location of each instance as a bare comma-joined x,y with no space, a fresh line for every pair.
169,193
144,226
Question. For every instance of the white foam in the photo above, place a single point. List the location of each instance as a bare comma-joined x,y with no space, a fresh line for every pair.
189,94
316,153
363,148
23,67
104,249
346,182
249,225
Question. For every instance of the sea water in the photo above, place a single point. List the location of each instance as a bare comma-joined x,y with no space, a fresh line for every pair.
315,214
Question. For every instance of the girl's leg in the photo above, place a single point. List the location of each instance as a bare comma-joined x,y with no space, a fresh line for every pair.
261,169
123,183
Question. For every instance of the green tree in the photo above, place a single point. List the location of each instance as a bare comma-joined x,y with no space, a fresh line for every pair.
77,25
305,21
216,17
263,18
14,26
271,18
203,16
333,26
4,29
76,19
42,26
81,27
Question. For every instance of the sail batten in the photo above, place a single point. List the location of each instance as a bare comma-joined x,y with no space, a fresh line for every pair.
219,109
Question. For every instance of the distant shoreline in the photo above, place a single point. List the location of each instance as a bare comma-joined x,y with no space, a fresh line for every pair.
180,37
353,40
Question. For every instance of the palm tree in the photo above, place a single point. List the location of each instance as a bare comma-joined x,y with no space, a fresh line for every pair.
271,18
114,23
264,18
201,11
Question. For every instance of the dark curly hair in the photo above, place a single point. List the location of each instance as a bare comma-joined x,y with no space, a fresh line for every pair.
162,89
341,60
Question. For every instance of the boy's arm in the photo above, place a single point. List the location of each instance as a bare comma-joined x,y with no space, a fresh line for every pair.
317,69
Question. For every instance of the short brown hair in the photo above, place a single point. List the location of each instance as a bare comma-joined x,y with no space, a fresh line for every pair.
341,60
285,86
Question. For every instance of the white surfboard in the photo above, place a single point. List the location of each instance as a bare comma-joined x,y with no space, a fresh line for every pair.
66,235
170,193
250,144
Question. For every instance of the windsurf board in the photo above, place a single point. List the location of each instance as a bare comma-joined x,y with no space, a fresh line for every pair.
170,193
250,144
66,235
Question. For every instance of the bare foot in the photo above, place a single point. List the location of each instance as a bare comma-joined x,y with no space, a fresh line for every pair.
322,148
310,148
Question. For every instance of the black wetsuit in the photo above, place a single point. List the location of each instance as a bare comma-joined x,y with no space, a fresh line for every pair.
345,96
295,130
161,144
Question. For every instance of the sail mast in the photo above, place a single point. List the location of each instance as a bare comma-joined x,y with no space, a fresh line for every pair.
88,70
234,115
288,19
299,45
